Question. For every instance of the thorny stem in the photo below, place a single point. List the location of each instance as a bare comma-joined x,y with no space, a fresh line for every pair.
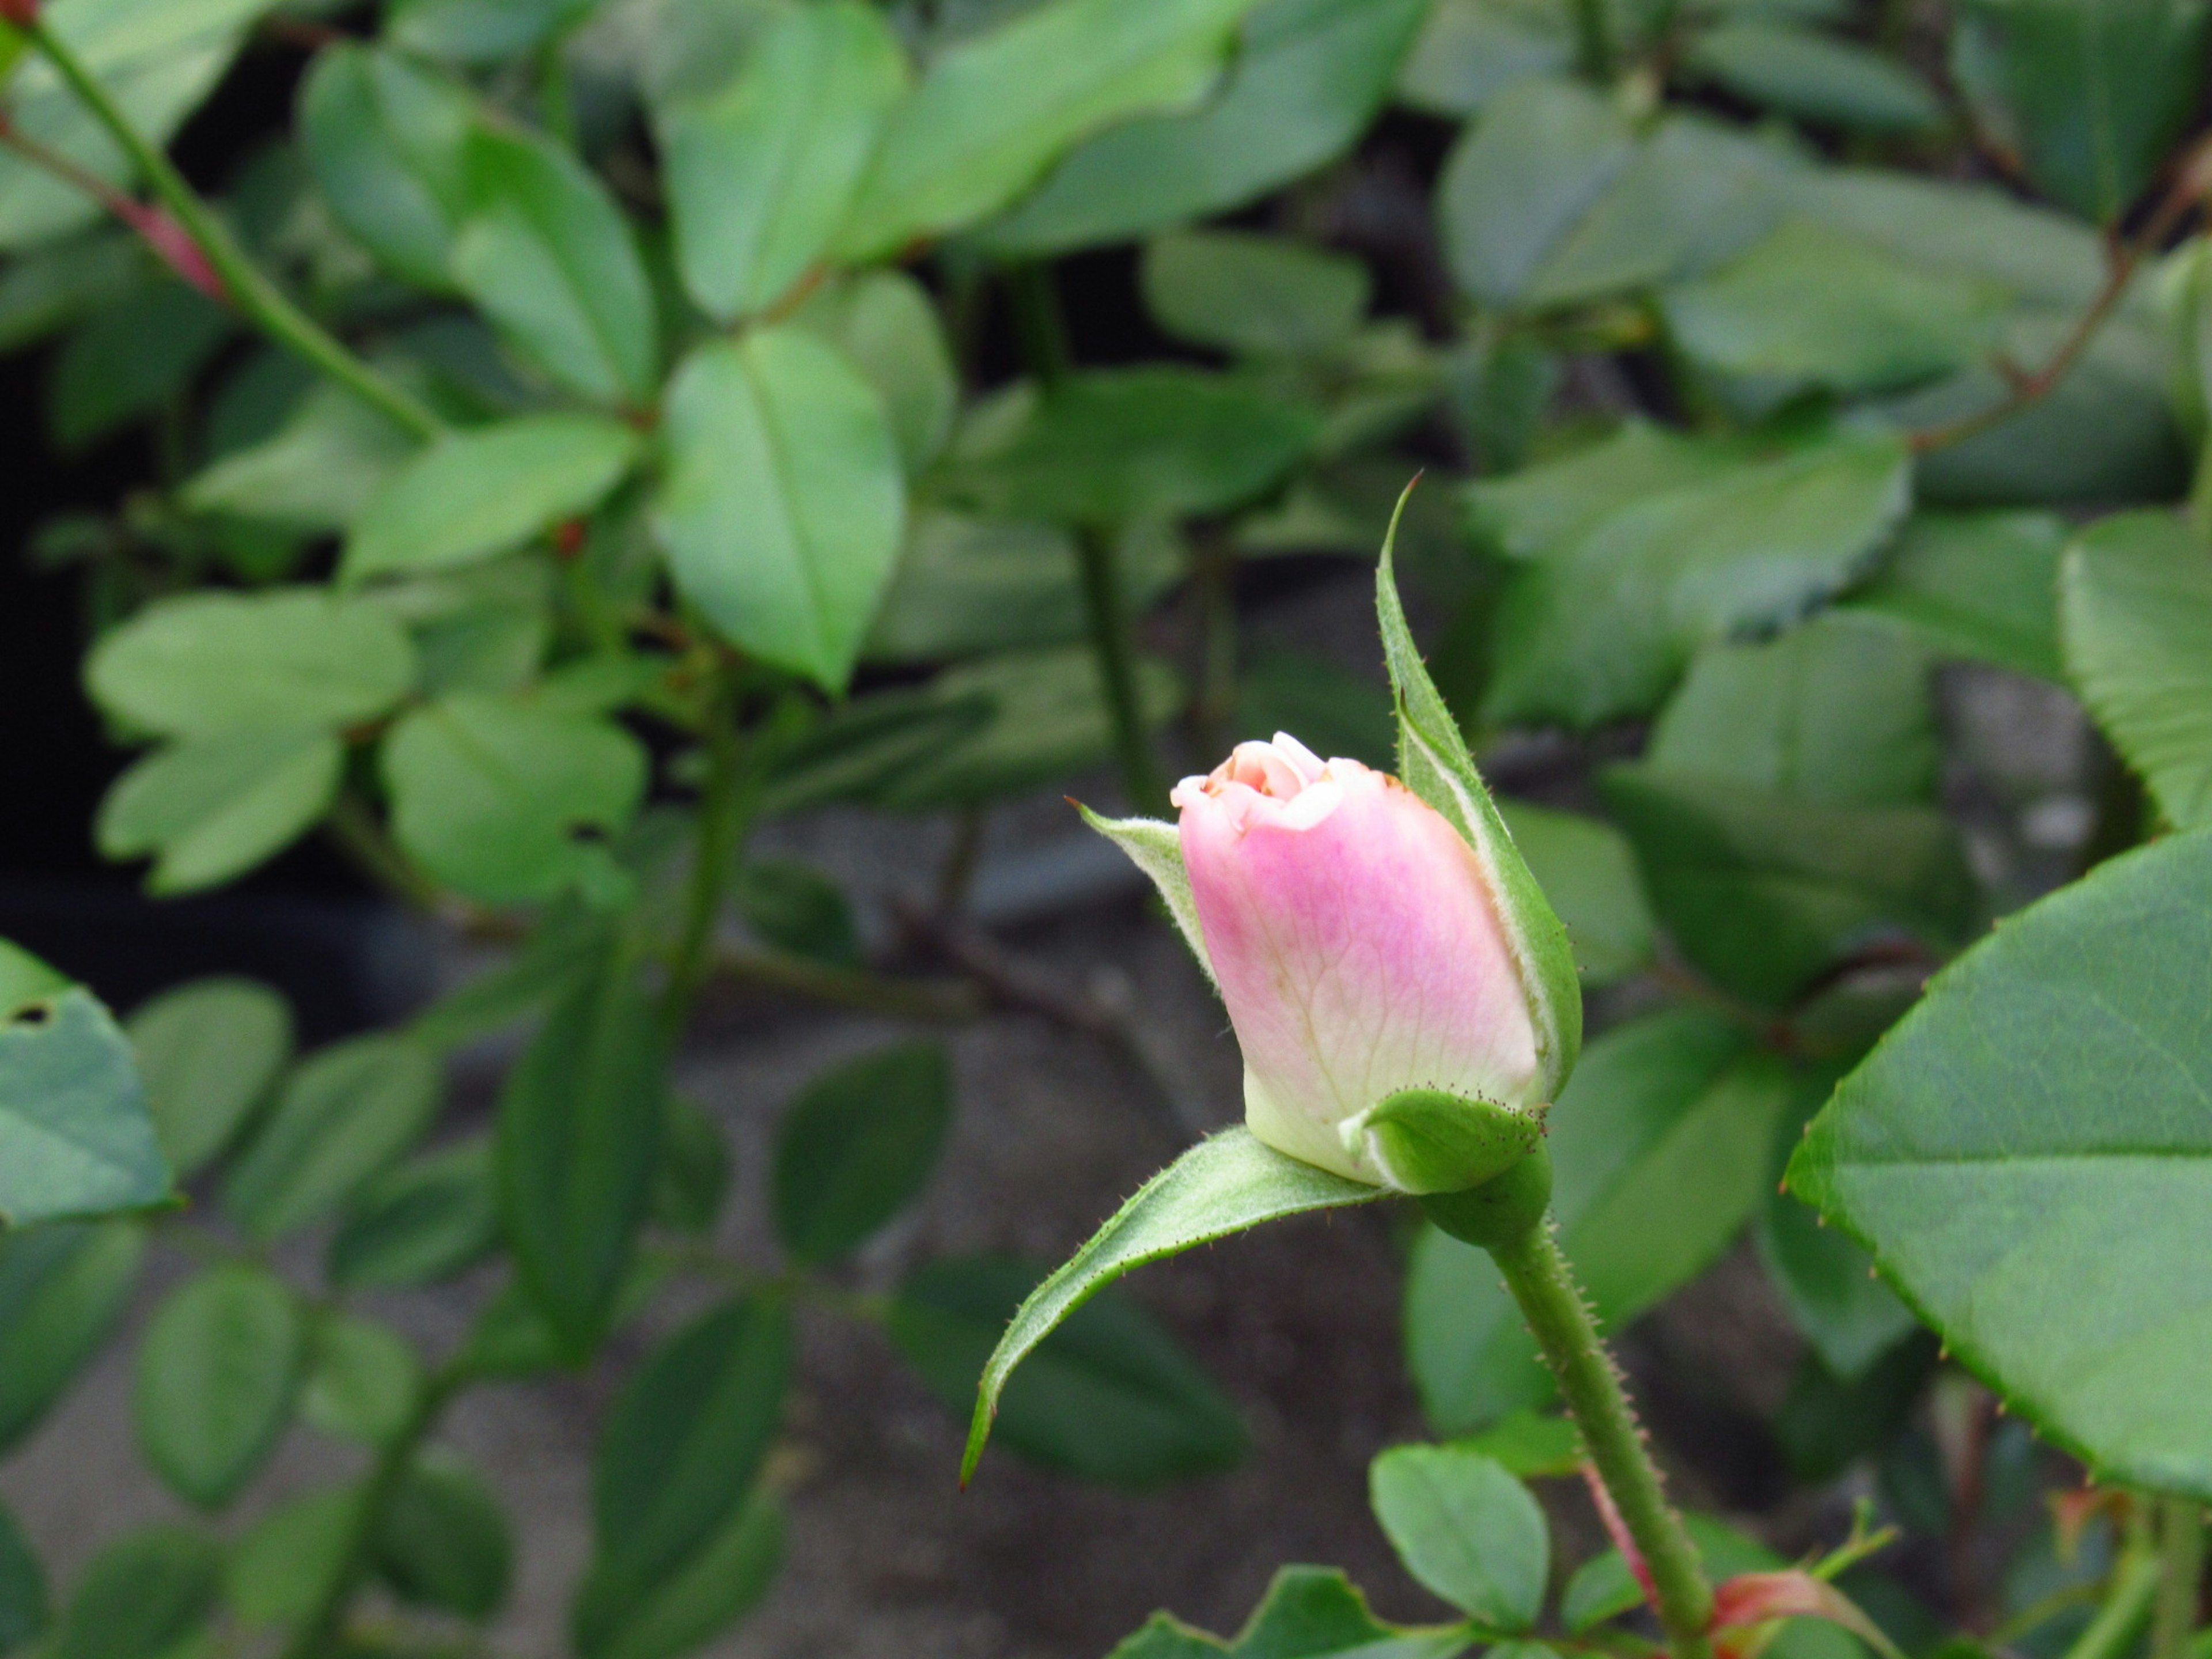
1543,1284
2181,1576
1043,334
262,301
2125,258
319,1631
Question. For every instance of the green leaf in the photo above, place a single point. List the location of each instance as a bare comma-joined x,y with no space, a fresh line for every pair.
679,1456
217,1373
1812,306
1470,50
22,1586
1434,761
1529,1444
1254,296
49,288
694,1179
63,1287
208,1050
2136,606
580,1128
2087,94
995,110
1599,624
131,361
1522,178
1112,445
1108,1396
75,1135
1224,1185
283,1565
724,1580
1308,1613
475,494
486,628
144,1597
548,256
857,1146
2055,1071
482,31
420,1223
316,474
794,906
288,658
1834,711
1306,79
511,801
444,1540
885,325
1660,1152
1980,586
1464,1528
783,506
347,1112
1851,1318
1814,77
1762,892
387,142
25,979
363,1380
760,175
1587,871
209,809
1527,515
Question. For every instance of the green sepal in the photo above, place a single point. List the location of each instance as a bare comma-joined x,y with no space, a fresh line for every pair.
1156,849
1499,1211
1428,1140
1434,764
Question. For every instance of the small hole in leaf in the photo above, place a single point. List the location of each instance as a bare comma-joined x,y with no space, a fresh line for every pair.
32,1013
588,835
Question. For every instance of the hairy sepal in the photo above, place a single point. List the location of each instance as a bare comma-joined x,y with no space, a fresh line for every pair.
1427,1141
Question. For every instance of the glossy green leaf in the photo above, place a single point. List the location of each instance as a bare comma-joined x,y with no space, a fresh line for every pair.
1434,761
22,1586
546,254
1306,79
1835,711
1762,892
858,1146
994,111
1308,1613
75,1135
475,494
1466,1529
281,659
580,1127
315,474
783,506
1527,515
62,1286
2136,605
1108,1397
363,1379
444,1541
209,809
2055,1071
1112,445
885,325
1224,1185
484,629
280,1567
1814,76
131,360
1588,871
347,1112
209,1050
1522,178
387,141
419,1223
1810,306
1980,586
724,1580
1599,624
143,1596
679,1457
1254,295
1660,1151
482,31
511,801
2087,95
217,1373
760,175
1470,50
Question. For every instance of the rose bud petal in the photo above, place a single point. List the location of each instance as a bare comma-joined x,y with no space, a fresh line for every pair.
1356,939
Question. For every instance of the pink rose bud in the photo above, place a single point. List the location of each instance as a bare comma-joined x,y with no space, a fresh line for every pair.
1357,940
